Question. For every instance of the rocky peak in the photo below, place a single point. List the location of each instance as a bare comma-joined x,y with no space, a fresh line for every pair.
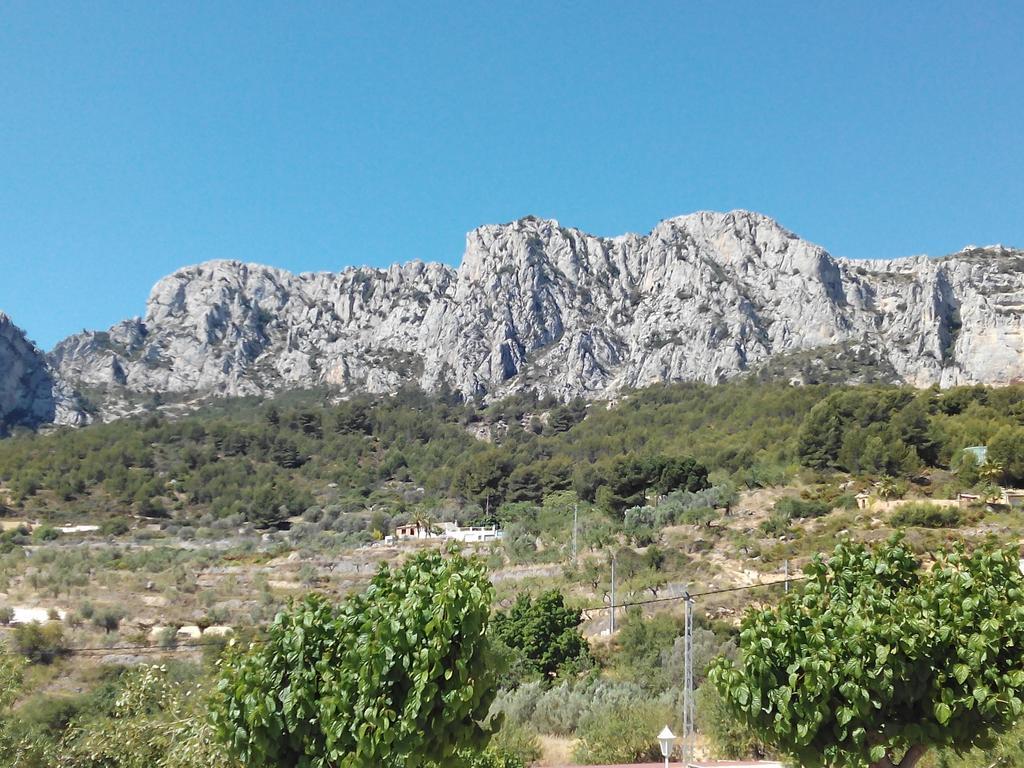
30,394
536,305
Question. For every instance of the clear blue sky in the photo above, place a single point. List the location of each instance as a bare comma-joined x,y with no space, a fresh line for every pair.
136,137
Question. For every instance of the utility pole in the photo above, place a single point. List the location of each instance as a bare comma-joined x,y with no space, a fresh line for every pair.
689,708
575,522
611,631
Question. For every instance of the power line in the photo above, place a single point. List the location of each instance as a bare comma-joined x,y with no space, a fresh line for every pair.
183,647
684,596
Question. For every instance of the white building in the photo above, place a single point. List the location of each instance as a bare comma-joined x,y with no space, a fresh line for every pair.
448,531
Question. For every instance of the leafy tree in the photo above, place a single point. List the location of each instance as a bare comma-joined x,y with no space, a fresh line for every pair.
879,660
1006,450
40,643
154,723
545,631
400,675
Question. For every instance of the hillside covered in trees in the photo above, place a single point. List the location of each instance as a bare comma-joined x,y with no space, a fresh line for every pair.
225,517
265,462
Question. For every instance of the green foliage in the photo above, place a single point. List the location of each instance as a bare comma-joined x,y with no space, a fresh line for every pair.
544,631
266,463
626,481
40,643
729,736
924,515
154,722
622,732
792,508
878,658
1006,451
869,430
398,675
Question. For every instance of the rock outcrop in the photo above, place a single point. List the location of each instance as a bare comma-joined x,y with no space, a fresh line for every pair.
30,394
535,305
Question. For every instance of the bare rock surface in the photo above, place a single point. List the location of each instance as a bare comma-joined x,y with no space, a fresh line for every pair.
30,394
535,305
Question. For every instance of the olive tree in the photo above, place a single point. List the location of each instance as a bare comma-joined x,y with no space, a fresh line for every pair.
401,675
879,659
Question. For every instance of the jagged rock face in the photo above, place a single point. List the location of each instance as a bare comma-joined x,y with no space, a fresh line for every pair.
29,393
703,297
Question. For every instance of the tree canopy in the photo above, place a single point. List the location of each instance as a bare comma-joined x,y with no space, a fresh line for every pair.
400,675
545,631
878,659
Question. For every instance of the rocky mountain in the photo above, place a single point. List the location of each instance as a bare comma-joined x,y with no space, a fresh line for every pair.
30,394
705,297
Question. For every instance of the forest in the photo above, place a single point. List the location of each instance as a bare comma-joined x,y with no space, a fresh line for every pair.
266,462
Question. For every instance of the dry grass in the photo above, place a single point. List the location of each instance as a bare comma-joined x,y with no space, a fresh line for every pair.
556,750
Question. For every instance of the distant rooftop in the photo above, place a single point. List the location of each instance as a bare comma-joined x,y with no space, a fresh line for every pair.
980,453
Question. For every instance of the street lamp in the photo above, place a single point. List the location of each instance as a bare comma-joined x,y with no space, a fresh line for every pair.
666,739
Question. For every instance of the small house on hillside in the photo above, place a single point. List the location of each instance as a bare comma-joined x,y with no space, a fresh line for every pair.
447,531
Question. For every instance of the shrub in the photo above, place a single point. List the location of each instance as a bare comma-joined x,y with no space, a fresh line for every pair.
623,732
44,533
924,515
777,524
516,742
792,508
728,735
6,615
40,643
116,527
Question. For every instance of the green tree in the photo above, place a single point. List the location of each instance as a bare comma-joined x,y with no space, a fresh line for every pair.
1006,450
40,643
154,723
544,630
401,675
878,660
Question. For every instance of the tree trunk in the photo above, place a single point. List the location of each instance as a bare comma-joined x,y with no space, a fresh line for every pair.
910,759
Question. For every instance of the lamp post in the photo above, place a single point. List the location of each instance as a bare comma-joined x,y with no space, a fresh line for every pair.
667,739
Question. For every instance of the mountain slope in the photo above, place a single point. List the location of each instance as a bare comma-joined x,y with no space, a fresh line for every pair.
30,394
705,297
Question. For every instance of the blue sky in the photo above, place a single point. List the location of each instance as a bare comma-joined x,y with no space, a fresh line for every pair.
136,138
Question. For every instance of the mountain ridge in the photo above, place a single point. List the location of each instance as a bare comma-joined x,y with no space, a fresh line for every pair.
535,305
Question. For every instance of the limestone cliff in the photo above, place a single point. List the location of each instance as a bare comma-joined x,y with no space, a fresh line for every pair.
707,297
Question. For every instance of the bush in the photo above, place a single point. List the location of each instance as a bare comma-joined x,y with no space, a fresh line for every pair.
116,527
40,643
623,732
517,743
6,615
44,533
792,508
640,525
777,524
924,515
730,738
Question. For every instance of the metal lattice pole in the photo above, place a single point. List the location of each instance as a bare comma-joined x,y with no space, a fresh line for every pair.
689,708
